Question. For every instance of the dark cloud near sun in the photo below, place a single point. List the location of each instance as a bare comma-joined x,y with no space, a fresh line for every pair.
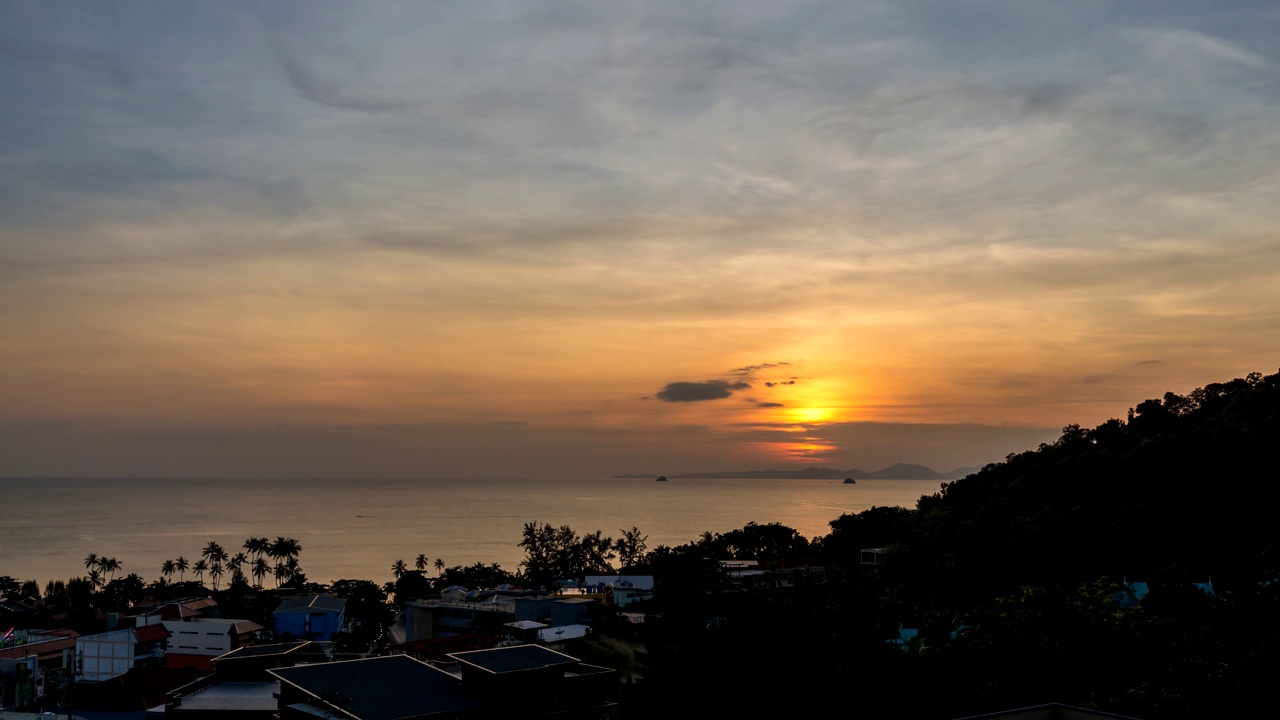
739,378
748,371
700,391
769,404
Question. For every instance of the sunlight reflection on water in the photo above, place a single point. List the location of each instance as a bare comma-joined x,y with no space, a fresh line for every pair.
358,528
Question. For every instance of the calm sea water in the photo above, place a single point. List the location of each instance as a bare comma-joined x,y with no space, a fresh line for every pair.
358,528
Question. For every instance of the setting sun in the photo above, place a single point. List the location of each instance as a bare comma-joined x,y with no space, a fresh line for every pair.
809,415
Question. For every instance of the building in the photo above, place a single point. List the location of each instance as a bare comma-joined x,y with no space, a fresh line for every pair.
28,660
534,680
529,631
112,654
318,617
523,681
383,688
240,685
53,649
196,643
431,619
556,610
622,590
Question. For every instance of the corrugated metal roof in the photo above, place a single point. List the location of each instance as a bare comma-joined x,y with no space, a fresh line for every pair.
514,659
320,603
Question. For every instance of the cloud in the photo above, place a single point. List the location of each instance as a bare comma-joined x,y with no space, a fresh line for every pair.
326,88
699,391
74,64
780,382
769,404
748,371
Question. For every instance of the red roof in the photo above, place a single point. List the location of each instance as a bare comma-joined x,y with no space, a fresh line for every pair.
183,660
44,648
175,611
151,633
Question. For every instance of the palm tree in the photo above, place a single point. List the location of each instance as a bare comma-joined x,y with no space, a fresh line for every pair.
398,568
109,565
257,546
168,569
90,561
280,573
284,548
95,578
421,563
237,575
260,570
215,572
209,549
439,565
199,568
181,565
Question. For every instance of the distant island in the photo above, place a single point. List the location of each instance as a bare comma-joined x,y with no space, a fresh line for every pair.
900,471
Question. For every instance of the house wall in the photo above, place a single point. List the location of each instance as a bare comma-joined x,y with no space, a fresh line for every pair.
192,638
418,623
427,622
572,612
308,626
106,655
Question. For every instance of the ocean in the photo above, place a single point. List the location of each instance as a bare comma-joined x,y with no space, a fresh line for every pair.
359,528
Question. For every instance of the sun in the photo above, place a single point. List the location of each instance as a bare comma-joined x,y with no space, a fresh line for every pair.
809,415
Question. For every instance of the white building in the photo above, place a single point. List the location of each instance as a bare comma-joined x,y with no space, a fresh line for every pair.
209,636
111,654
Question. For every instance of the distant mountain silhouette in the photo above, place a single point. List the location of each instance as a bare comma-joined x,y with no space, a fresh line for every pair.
900,471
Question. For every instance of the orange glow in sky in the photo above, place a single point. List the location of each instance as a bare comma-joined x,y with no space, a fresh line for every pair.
459,244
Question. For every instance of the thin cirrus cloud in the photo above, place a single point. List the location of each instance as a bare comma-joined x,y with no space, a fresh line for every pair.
301,210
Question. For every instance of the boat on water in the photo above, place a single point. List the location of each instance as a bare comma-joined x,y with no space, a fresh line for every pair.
850,481
662,478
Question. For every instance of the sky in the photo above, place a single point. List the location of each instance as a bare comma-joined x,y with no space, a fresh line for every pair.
572,238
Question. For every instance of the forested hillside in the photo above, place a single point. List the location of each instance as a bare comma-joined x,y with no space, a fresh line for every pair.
1012,586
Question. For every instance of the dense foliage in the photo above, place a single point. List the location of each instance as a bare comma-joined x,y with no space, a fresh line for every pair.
1009,587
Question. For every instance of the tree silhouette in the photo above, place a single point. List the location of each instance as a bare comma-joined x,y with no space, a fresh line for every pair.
214,553
421,563
630,547
260,570
236,564
284,548
181,565
439,565
257,546
398,568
